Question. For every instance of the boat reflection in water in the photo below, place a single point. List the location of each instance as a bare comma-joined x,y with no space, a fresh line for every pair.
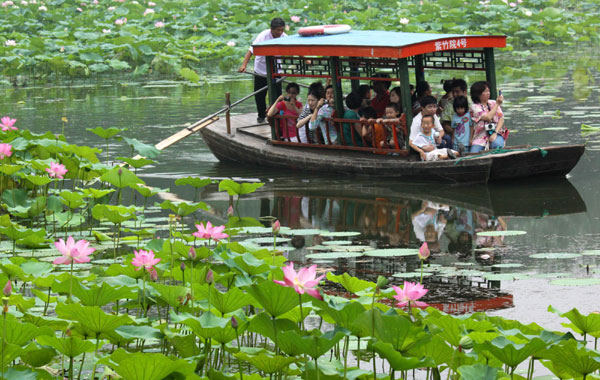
462,273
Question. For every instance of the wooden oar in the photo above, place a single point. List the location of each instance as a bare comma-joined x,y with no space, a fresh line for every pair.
202,123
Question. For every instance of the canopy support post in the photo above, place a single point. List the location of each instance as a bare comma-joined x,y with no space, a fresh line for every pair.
490,71
337,86
405,90
272,92
419,70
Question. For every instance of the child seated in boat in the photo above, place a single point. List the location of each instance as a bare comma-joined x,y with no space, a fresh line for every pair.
369,114
461,124
383,134
287,106
425,143
324,110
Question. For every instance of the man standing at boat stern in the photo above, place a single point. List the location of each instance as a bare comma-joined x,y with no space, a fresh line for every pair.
260,66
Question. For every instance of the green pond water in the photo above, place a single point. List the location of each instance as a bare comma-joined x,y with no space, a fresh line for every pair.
548,96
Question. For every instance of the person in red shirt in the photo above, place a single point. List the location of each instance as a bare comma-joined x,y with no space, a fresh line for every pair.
287,106
382,94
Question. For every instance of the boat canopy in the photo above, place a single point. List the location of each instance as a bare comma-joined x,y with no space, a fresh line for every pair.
363,55
374,43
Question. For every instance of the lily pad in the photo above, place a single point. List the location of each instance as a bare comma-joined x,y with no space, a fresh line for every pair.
333,255
595,252
576,281
412,274
552,256
301,232
505,276
501,233
337,242
352,248
267,240
340,234
507,265
392,252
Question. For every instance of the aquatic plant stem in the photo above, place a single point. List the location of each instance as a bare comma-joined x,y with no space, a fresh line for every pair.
144,294
71,282
81,367
421,281
301,315
237,338
3,335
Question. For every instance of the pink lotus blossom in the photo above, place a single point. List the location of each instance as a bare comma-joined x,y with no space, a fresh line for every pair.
110,9
159,24
10,43
42,8
7,290
7,123
121,21
230,211
105,31
295,19
151,4
424,252
210,232
148,11
144,259
56,170
276,227
231,43
73,252
303,282
62,49
404,21
513,5
410,294
5,150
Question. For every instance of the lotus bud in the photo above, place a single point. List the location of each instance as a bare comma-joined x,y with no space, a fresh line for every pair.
192,254
230,211
7,291
466,342
182,266
210,277
424,252
120,172
276,227
154,275
234,323
382,282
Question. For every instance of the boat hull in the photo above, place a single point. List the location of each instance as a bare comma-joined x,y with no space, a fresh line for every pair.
252,148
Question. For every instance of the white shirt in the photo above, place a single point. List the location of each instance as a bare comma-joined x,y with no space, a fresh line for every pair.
415,127
260,62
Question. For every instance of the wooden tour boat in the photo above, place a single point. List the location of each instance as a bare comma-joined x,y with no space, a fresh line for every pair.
363,56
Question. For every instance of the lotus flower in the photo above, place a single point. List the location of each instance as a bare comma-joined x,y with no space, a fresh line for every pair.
73,252
144,259
148,11
42,8
424,252
303,282
7,124
210,232
10,42
159,24
230,211
295,18
121,21
404,21
56,170
410,294
231,43
276,227
5,150
7,291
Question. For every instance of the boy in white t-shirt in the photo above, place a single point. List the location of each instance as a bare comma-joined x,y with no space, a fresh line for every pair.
425,143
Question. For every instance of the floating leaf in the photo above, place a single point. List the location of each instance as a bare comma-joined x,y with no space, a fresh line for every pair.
392,252
552,256
501,233
340,234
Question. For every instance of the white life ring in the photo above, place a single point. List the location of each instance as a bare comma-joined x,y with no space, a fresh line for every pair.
324,29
